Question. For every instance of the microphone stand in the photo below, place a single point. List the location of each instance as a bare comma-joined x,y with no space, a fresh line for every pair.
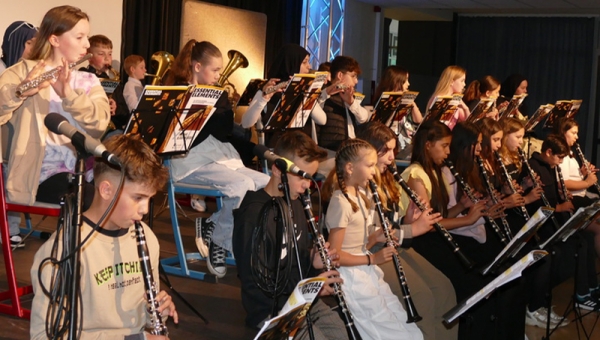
288,199
75,238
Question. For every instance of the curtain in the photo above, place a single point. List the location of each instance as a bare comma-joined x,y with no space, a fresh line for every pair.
154,25
555,54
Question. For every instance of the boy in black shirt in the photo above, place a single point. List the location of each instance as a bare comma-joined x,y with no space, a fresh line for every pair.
301,150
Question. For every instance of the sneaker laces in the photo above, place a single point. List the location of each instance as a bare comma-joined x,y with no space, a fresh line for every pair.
218,255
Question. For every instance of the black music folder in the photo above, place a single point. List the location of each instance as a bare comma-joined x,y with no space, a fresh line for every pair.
483,107
562,109
393,106
168,118
291,101
253,86
508,275
540,114
520,239
512,107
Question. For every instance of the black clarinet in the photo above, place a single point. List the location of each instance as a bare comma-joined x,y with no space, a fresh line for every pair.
438,227
337,288
158,327
585,163
490,189
563,187
411,310
533,177
508,179
469,192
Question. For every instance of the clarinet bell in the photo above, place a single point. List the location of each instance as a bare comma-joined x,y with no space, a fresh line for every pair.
466,262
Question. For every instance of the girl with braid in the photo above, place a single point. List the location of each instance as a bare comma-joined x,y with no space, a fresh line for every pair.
377,312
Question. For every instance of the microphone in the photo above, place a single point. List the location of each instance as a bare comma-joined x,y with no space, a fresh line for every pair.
60,125
281,163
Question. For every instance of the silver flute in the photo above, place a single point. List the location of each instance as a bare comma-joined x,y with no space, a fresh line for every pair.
276,87
48,75
337,288
158,326
504,236
508,179
585,163
411,310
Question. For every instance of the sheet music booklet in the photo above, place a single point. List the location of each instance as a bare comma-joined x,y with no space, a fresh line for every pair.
512,107
444,107
310,99
483,107
293,313
520,239
580,220
562,108
168,118
393,106
291,100
508,275
540,114
253,86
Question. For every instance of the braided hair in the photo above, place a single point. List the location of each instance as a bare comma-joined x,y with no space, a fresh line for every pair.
349,151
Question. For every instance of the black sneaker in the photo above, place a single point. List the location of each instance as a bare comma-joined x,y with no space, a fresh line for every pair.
216,260
587,303
16,241
204,230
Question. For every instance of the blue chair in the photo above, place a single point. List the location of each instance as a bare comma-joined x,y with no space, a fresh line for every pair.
178,265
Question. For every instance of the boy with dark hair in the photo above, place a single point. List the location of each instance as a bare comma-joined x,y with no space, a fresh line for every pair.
579,246
299,148
344,113
112,292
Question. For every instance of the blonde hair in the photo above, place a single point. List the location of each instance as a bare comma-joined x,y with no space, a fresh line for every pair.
57,21
349,152
132,61
510,125
450,74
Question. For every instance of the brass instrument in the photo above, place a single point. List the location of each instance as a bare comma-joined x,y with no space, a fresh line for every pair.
236,60
161,61
411,310
116,74
49,75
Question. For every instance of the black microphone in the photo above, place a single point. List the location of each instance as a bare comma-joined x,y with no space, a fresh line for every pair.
281,163
60,125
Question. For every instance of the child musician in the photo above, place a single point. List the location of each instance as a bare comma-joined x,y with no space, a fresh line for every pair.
112,291
451,81
501,316
100,63
377,312
39,161
212,160
431,291
302,151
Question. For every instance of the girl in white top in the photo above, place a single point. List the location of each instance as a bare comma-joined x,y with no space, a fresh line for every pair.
377,312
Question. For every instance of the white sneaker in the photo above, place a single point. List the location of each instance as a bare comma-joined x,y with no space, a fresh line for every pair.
539,317
197,202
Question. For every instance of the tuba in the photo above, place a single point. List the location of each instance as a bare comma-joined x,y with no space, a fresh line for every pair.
236,60
161,62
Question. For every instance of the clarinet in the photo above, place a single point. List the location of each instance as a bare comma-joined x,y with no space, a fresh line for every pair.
469,192
490,190
411,310
533,176
337,288
585,163
563,187
438,227
158,327
510,183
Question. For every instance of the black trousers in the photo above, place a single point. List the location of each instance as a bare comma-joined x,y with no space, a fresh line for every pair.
58,185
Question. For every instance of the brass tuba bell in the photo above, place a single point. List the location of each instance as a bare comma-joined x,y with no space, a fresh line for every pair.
236,60
161,62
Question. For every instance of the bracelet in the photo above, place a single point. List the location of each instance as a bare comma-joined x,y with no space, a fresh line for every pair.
368,259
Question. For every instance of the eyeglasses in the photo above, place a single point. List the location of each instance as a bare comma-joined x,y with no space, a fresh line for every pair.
24,23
